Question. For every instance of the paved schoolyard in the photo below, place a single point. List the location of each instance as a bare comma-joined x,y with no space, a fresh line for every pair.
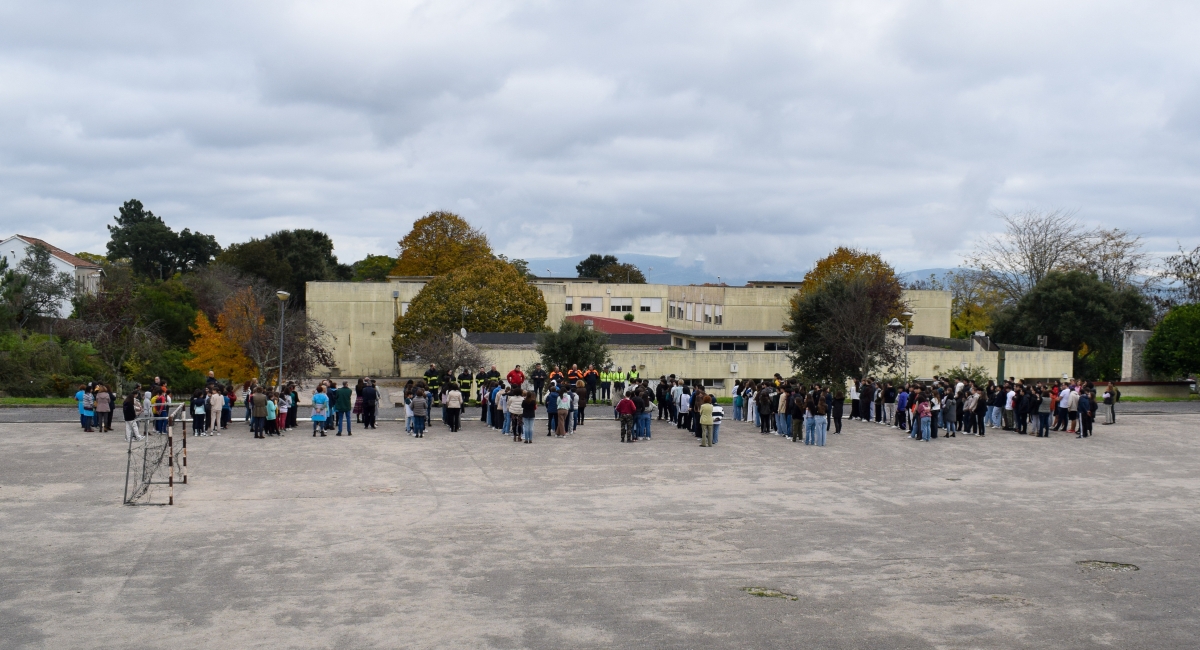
469,540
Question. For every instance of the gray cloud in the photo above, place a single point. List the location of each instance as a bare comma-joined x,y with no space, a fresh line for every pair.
751,135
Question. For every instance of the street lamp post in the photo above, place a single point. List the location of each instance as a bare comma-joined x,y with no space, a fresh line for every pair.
896,326
283,298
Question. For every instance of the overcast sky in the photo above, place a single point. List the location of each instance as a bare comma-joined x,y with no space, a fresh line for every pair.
752,135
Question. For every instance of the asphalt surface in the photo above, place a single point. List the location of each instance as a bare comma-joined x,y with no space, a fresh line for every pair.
469,540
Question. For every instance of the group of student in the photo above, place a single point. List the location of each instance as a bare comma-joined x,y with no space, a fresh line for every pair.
966,406
96,403
789,409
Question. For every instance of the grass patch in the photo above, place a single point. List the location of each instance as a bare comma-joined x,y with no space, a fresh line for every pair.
762,592
37,401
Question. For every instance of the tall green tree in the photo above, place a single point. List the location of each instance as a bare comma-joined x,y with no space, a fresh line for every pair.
573,343
170,306
288,259
152,248
1077,312
838,319
1174,348
589,267
373,268
494,294
36,288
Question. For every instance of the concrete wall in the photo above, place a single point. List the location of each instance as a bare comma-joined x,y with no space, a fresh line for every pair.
1050,364
931,312
1133,345
927,363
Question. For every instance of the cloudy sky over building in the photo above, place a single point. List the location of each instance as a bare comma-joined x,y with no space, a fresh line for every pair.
752,135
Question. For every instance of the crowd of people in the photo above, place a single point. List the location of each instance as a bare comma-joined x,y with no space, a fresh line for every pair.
970,407
782,406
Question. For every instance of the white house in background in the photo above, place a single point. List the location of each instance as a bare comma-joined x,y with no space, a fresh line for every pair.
87,274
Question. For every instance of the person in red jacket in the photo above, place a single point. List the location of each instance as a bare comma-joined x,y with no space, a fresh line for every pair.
516,377
626,408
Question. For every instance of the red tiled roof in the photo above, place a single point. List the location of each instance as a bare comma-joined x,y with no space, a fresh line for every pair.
615,326
60,253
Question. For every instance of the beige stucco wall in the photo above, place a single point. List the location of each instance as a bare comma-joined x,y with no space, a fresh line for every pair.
927,363
1038,365
931,312
359,315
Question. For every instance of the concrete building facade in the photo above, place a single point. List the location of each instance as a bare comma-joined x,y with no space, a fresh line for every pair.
714,334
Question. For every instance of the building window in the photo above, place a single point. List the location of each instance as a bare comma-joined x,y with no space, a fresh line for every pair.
714,346
691,345
689,309
677,342
570,304
652,305
671,309
713,383
708,313
717,314
620,304
776,347
591,304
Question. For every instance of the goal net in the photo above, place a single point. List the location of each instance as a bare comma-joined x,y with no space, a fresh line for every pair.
157,462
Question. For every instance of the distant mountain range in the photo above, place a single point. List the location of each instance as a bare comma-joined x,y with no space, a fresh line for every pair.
672,270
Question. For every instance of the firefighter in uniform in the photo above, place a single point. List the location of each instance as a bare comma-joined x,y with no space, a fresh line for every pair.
433,381
591,378
464,384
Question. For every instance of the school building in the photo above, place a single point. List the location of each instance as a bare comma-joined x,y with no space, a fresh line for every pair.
710,334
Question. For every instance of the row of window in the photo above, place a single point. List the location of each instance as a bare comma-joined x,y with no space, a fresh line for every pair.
695,312
722,346
646,305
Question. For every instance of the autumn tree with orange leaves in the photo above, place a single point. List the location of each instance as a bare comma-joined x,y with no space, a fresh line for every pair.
213,350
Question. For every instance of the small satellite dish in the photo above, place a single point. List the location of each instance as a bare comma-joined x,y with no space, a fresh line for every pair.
463,332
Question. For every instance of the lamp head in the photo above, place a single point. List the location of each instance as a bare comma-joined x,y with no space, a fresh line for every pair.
282,295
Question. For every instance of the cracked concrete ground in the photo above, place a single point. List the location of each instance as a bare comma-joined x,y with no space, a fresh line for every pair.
469,540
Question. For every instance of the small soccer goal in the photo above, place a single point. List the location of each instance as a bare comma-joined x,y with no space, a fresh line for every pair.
157,462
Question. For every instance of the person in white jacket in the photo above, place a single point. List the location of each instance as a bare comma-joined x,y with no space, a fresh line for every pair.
454,403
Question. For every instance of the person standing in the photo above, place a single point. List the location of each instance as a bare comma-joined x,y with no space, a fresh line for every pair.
1111,394
564,400
839,402
433,380
619,382
706,422
89,409
605,384
922,417
889,403
343,405
950,415
420,409
591,379
528,412
516,378
516,408
454,405
626,409
216,405
538,377
131,409
103,409
1085,414
258,412
551,411
371,402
